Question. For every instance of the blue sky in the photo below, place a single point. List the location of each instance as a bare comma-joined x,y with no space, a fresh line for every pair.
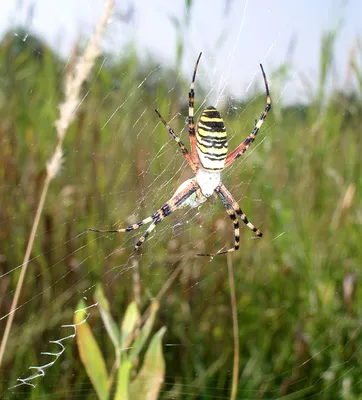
233,43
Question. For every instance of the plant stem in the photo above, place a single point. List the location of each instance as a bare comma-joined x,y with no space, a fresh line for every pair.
234,311
68,109
19,285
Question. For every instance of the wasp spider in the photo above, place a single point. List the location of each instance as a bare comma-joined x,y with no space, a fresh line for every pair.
208,158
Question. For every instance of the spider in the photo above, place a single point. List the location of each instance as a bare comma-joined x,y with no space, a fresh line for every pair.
208,158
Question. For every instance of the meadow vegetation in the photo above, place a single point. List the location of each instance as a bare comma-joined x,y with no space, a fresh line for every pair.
297,288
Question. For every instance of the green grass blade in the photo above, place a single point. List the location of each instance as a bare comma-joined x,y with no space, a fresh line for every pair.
90,354
124,373
109,323
130,321
144,334
148,382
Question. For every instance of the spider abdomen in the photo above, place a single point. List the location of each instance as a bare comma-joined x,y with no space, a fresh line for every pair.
211,136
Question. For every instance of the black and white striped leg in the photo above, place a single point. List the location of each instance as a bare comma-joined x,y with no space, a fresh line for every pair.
128,229
178,141
176,202
241,149
230,199
191,106
142,239
172,205
234,218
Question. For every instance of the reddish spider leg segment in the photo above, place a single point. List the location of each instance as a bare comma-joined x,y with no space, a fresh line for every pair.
193,141
250,139
178,200
179,142
193,159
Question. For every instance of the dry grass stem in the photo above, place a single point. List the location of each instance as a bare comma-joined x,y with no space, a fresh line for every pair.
343,205
67,110
160,294
234,311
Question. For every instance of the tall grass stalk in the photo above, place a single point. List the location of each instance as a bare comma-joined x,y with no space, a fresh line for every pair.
234,312
67,110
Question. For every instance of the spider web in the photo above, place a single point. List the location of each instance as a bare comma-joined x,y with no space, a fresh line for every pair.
146,167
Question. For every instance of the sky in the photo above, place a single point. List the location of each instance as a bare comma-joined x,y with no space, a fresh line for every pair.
234,36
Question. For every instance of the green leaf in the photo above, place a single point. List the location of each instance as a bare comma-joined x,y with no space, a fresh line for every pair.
145,332
107,318
148,382
124,373
90,353
130,321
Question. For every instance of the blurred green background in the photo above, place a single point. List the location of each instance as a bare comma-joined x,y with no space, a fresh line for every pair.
297,289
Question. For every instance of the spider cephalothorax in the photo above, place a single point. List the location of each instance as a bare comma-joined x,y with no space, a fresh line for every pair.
209,156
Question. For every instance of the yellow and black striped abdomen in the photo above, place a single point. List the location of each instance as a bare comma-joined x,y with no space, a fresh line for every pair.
212,144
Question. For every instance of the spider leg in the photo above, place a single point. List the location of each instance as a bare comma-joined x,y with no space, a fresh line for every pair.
234,218
192,159
179,142
241,149
177,201
128,229
193,142
230,199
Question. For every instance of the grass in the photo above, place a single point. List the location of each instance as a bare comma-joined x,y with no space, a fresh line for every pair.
298,322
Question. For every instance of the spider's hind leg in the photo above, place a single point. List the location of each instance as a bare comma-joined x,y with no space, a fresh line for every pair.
233,217
144,236
230,199
128,229
232,208
178,200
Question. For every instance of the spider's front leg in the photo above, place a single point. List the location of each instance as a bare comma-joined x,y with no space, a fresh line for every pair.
179,142
241,149
193,159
